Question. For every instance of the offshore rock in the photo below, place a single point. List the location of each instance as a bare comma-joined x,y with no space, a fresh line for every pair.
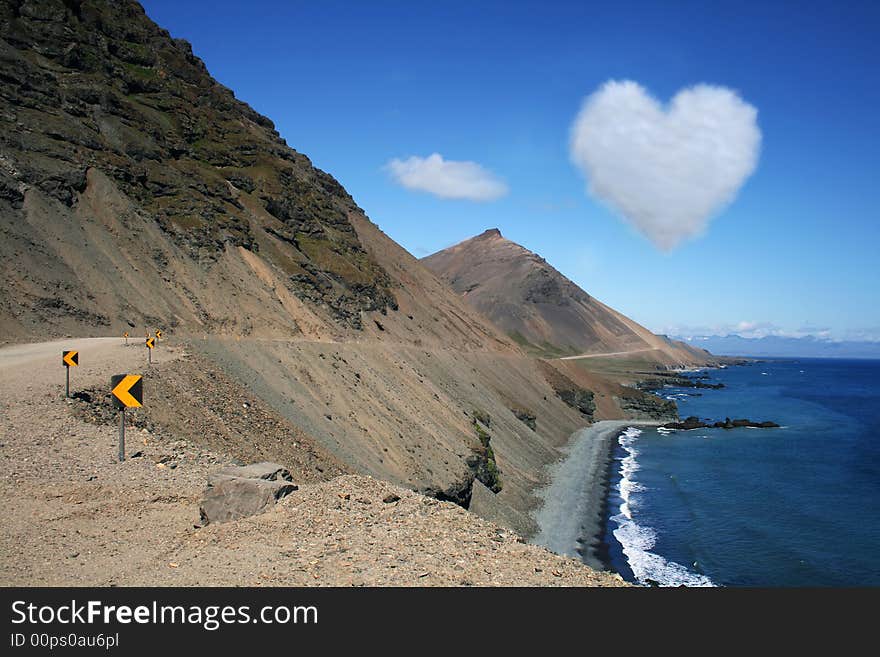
693,422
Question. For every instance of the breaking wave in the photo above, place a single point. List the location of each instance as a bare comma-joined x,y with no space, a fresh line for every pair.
638,540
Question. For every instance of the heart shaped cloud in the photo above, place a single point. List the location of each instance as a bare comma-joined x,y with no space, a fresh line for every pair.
667,171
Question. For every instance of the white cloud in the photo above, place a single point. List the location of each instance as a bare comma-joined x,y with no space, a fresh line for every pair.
447,178
746,327
666,170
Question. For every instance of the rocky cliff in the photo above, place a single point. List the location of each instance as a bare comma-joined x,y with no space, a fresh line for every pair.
110,126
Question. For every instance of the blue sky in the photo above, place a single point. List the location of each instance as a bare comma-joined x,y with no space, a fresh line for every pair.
356,85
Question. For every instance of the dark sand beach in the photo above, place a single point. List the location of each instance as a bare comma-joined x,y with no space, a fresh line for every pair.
570,520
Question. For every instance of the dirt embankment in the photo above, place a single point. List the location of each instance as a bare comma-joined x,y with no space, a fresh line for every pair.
407,414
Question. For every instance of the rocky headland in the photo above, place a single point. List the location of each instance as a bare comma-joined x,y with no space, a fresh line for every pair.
693,422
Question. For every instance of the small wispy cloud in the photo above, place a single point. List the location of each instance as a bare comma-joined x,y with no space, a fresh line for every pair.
449,179
666,170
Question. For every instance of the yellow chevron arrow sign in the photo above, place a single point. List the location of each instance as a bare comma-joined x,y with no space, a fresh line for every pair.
128,390
151,342
70,358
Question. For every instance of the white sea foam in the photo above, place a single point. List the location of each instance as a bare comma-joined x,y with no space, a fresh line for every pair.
638,540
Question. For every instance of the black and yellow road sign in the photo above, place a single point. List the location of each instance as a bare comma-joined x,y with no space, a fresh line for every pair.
128,390
68,359
159,334
151,343
125,335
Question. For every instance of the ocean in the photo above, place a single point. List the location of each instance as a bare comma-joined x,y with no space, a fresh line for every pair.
794,506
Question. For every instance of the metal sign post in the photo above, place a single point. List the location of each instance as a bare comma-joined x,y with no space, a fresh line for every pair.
125,335
151,342
122,434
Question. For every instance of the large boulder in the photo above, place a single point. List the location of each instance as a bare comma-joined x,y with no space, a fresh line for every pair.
241,491
263,470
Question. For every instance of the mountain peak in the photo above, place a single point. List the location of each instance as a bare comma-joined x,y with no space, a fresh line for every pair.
538,306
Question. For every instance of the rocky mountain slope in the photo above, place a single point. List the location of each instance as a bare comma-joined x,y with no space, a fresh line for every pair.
540,308
135,189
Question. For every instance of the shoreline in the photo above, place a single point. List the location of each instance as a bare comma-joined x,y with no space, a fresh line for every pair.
571,520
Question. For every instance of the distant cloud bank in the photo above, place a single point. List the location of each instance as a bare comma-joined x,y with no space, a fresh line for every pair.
771,346
666,170
765,339
448,179
751,330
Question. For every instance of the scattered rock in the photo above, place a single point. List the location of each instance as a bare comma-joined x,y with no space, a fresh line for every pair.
527,418
687,424
642,405
390,498
673,380
694,422
580,399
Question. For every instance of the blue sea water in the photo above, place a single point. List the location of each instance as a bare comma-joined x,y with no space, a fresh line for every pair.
795,506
